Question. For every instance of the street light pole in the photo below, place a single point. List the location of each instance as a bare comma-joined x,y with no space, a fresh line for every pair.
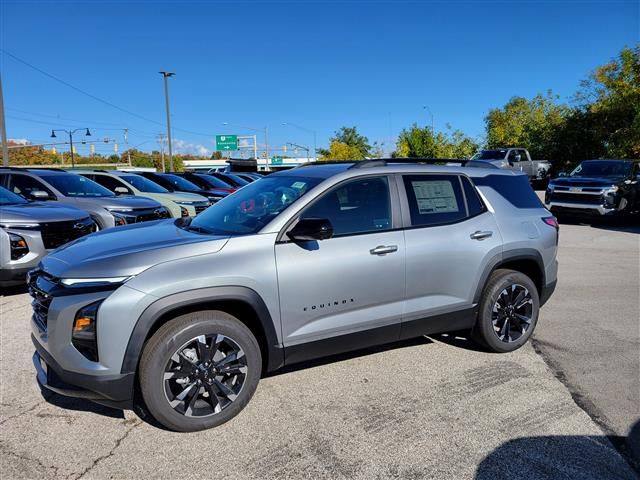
166,98
3,131
70,133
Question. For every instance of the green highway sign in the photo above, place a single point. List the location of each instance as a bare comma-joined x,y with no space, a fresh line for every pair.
276,161
226,142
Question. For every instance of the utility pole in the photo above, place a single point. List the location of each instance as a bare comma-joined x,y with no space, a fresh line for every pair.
266,142
161,142
3,131
126,142
166,99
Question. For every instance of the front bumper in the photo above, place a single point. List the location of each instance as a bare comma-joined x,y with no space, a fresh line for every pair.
580,208
111,390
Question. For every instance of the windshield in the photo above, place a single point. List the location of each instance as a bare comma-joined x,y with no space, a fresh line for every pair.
10,198
180,183
602,168
71,185
143,184
490,154
251,208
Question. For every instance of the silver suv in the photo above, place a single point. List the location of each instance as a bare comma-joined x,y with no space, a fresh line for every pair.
184,316
106,210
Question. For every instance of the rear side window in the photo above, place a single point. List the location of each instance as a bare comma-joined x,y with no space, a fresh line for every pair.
475,205
515,189
434,199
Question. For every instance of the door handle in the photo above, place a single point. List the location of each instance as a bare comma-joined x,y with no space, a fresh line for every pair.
480,235
383,249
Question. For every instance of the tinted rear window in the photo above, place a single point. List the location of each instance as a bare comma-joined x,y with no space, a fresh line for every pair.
516,189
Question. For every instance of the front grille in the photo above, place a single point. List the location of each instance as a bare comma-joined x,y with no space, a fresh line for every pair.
39,286
143,215
200,208
567,197
56,234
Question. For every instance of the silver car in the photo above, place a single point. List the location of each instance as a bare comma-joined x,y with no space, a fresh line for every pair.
106,209
309,262
30,230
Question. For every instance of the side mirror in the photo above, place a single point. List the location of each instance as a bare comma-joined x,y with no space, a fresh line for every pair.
518,157
40,195
121,191
562,174
311,229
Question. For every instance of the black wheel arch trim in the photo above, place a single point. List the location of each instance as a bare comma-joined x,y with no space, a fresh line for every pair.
506,257
203,296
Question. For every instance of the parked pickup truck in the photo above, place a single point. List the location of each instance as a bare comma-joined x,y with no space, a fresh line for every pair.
516,159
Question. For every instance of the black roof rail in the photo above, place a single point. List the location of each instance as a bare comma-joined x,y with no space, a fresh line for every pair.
13,168
381,162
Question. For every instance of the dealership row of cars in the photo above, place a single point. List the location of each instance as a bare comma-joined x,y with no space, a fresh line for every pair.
43,209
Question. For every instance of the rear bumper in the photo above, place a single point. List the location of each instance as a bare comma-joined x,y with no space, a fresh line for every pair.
111,390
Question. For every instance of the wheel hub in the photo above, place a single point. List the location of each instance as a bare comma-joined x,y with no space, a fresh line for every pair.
512,313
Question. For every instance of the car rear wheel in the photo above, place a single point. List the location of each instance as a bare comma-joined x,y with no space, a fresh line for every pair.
508,311
199,370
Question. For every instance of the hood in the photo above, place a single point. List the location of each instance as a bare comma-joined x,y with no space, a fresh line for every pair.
129,250
585,181
120,202
38,212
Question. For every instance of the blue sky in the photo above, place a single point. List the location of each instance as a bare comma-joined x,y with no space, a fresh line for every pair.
321,65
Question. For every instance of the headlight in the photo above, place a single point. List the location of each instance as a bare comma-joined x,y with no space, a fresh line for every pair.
93,282
83,336
19,247
118,219
185,202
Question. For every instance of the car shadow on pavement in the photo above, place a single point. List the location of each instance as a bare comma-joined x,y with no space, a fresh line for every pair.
349,355
562,456
460,339
629,224
80,405
11,291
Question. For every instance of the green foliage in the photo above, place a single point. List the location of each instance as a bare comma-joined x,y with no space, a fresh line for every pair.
350,137
341,151
419,142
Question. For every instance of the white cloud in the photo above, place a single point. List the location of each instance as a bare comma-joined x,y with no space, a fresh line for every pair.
18,141
184,147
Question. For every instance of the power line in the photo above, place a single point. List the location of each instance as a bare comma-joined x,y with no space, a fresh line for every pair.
98,99
79,90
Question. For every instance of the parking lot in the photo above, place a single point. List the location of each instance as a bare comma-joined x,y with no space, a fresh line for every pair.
433,408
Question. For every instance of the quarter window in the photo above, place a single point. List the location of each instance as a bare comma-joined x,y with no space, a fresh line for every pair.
359,206
434,199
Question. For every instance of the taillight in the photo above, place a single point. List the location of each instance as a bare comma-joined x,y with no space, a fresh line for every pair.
552,222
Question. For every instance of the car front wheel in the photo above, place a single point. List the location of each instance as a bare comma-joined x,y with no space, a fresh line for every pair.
508,311
199,370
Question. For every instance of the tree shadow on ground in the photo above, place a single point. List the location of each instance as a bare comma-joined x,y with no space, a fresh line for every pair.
563,457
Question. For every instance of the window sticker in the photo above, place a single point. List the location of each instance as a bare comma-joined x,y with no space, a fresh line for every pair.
435,196
298,185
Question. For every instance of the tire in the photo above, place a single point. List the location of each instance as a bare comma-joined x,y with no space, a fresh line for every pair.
500,328
176,366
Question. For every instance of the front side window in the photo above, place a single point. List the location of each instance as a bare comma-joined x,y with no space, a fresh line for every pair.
71,185
434,199
251,208
359,206
110,182
24,185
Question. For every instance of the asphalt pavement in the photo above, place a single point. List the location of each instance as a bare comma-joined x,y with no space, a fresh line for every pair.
430,408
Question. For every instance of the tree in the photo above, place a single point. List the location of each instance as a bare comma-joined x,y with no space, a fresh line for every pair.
421,142
349,136
341,151
610,100
532,124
